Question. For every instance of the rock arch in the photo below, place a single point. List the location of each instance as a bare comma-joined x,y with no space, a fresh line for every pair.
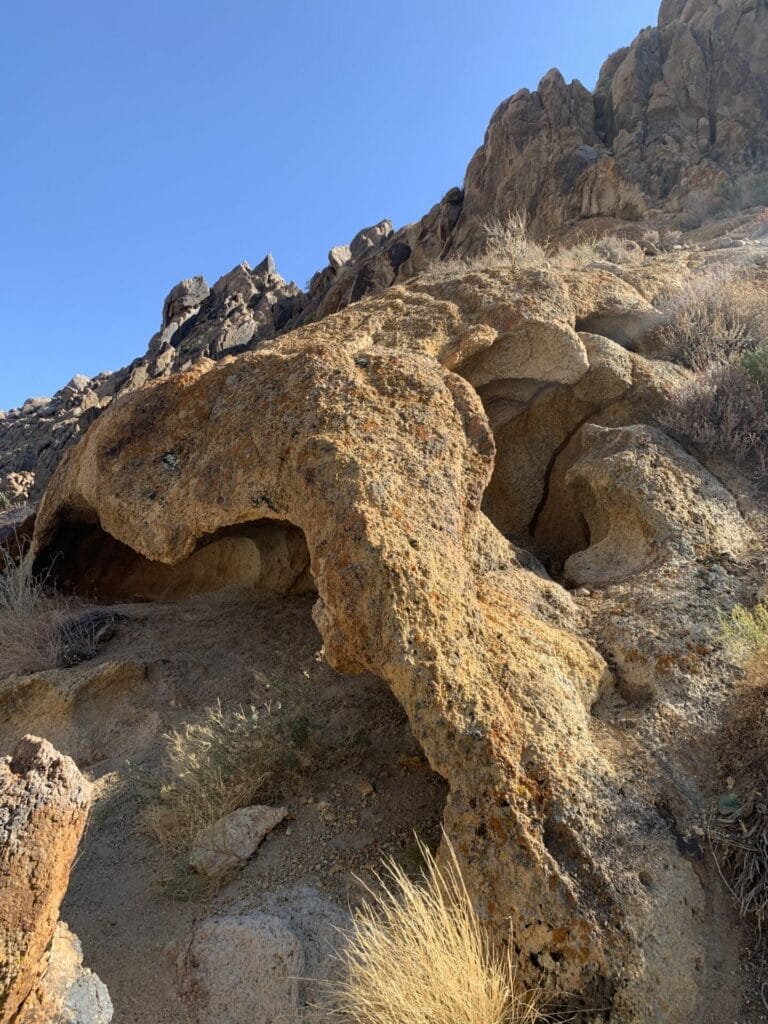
381,458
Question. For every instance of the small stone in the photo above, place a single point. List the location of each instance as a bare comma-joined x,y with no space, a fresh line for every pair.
233,839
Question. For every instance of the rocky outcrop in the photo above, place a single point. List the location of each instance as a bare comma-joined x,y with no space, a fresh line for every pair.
352,432
68,993
44,805
674,119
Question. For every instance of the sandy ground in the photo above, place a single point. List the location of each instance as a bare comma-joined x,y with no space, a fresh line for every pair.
368,788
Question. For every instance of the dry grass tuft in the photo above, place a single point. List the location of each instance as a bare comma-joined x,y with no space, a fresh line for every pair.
508,242
418,954
213,766
608,249
30,619
507,245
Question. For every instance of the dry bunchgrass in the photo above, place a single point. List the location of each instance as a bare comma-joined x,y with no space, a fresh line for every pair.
418,954
508,242
31,618
507,245
211,767
608,249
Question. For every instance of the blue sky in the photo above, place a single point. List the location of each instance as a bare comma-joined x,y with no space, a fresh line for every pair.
150,141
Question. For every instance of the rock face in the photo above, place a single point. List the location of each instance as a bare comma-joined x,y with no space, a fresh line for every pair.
674,117
351,431
44,804
69,993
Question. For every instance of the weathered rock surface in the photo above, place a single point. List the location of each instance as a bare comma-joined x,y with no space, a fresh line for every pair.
44,804
91,712
381,457
266,964
644,501
233,839
243,969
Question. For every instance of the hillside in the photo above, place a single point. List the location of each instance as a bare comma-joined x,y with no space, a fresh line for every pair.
450,540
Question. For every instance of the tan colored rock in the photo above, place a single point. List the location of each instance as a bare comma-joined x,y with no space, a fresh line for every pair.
233,839
44,805
533,439
91,712
380,457
645,501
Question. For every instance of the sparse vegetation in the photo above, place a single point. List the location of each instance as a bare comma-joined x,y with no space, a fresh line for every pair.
739,828
213,766
418,953
507,245
607,249
723,411
746,632
508,242
30,618
718,327
716,319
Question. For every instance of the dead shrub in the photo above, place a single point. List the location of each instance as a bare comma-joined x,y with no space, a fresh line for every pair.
723,410
30,619
508,242
716,319
507,245
608,249
417,953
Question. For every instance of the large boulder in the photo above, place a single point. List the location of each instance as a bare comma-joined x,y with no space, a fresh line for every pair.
380,457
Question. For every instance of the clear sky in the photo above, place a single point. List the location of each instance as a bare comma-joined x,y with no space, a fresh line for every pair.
145,142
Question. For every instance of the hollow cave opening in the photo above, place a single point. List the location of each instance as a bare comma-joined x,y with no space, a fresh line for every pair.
267,556
357,730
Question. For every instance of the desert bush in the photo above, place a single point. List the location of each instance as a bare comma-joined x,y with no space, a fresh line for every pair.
418,954
507,245
723,411
508,242
217,764
717,318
